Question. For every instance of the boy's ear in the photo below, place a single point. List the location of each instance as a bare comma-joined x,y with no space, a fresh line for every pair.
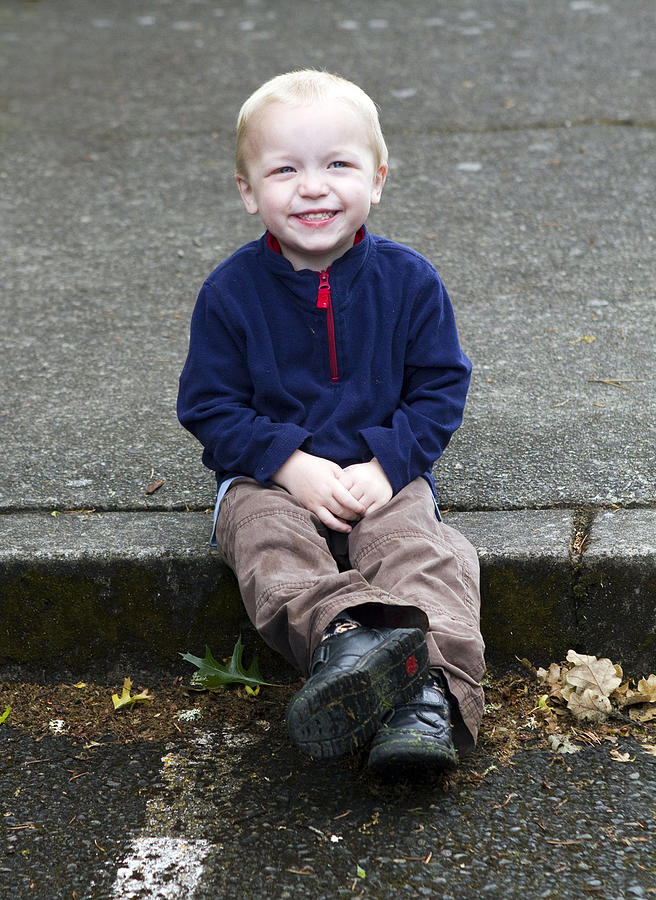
378,183
247,195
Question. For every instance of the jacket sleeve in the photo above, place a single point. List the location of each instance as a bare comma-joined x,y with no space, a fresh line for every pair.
214,398
436,381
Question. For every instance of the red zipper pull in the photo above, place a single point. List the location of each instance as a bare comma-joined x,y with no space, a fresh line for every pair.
323,295
324,301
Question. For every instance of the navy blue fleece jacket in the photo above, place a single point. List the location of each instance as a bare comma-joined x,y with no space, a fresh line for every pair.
360,361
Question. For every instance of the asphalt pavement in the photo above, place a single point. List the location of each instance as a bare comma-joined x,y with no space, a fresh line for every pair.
522,140
234,813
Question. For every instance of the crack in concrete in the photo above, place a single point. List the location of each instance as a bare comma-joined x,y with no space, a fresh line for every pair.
582,528
581,532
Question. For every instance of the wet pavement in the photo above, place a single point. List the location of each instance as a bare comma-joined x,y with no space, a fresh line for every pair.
235,812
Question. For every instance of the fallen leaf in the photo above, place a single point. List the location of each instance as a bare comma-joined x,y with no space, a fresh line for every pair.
565,692
621,757
589,705
645,693
527,664
620,693
649,748
212,676
643,715
551,675
155,485
590,672
5,715
366,826
127,700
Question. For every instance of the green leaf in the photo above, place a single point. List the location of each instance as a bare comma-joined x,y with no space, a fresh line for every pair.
127,700
5,714
360,872
212,676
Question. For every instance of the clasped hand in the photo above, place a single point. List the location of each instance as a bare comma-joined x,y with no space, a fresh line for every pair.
336,496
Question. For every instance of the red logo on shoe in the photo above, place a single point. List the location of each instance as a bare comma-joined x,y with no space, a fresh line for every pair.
411,665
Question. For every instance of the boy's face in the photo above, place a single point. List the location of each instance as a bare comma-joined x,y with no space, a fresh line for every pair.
312,178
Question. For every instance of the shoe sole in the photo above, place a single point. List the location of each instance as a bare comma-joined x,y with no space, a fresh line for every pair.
410,752
335,716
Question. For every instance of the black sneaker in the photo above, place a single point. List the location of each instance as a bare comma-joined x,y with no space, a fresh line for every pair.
416,736
356,677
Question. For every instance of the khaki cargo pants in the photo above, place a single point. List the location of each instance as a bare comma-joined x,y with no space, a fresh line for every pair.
400,566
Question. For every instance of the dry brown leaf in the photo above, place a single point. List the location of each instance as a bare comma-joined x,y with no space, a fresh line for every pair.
556,692
561,743
620,693
618,756
648,714
645,693
551,675
589,705
588,672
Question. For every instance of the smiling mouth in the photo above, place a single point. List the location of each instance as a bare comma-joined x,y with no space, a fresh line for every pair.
322,216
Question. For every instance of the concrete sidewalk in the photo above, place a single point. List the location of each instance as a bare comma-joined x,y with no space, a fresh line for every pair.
522,141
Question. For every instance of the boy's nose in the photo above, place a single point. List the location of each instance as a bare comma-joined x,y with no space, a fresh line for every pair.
313,184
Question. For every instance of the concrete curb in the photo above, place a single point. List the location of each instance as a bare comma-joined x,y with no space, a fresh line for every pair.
87,585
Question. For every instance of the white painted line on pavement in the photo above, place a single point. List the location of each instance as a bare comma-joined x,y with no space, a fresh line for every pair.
161,868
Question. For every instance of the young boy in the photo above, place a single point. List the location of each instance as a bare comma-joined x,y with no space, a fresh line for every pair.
324,377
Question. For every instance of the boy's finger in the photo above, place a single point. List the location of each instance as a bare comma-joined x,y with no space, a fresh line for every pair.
332,521
355,490
347,501
346,479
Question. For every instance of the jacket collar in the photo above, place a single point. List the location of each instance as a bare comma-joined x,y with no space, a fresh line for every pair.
343,270
273,243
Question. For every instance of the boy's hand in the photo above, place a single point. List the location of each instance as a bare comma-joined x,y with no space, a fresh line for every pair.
368,483
317,483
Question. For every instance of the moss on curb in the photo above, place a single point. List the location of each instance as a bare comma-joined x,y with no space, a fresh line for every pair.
51,611
531,610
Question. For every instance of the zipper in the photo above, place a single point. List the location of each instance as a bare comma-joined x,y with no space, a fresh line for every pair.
324,301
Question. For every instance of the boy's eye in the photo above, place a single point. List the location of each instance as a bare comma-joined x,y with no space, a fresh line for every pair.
338,164
285,170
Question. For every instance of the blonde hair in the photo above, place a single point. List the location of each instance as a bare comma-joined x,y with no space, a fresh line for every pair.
302,88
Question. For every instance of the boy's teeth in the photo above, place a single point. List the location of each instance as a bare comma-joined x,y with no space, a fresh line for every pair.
319,215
